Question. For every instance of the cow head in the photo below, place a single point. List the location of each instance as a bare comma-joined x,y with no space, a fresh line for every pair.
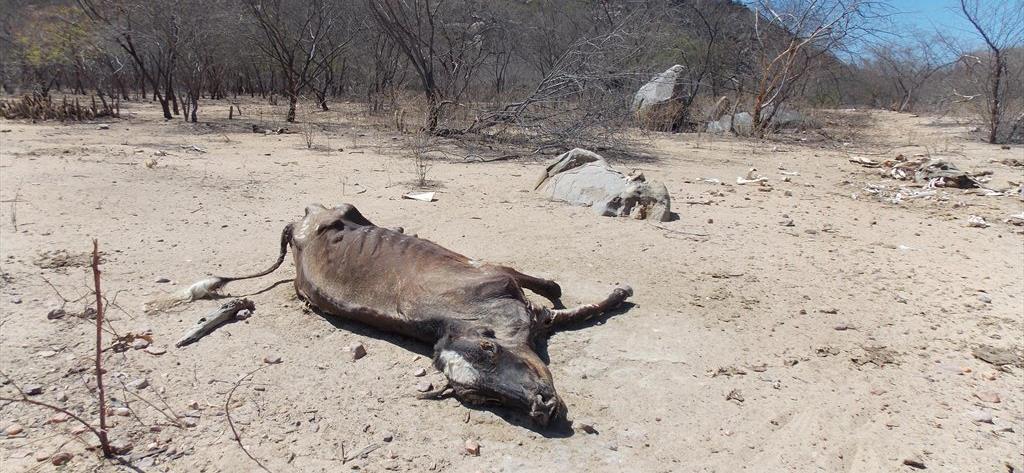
483,369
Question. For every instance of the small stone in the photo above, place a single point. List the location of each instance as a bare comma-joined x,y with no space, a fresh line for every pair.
153,350
387,437
357,350
424,386
140,344
121,411
141,383
162,280
33,389
121,448
787,223
79,429
584,426
788,193
59,418
103,127
61,458
194,405
419,373
15,300
980,417
56,313
271,359
842,327
13,429
829,310
914,463
711,220
42,455
62,396
984,297
472,447
988,396
152,446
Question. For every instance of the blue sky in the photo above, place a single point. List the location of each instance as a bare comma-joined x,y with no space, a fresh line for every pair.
928,15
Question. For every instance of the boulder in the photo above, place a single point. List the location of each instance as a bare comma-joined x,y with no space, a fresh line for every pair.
744,122
658,103
582,177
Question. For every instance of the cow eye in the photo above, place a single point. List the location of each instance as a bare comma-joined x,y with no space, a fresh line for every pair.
488,346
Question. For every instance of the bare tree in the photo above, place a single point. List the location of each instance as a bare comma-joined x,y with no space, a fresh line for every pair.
791,36
908,67
300,37
1000,25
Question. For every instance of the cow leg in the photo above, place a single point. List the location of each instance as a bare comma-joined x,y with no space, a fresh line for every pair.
545,288
551,318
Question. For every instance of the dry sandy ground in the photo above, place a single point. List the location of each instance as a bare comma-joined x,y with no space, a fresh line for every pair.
728,300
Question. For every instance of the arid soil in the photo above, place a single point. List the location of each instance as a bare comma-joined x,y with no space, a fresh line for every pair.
807,325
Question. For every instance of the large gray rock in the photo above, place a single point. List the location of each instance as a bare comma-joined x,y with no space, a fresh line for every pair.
582,177
659,104
743,122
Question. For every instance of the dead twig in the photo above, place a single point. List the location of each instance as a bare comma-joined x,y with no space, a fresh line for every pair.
100,393
231,423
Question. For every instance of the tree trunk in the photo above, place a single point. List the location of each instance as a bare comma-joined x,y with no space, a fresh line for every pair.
293,98
996,113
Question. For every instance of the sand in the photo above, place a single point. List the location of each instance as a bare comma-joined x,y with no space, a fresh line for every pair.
841,343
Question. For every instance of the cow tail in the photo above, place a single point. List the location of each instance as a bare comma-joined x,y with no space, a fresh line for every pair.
208,287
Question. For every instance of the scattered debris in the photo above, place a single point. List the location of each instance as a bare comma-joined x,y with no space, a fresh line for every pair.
57,313
420,196
152,350
981,417
976,221
272,359
32,389
424,386
728,371
419,373
984,297
1017,219
584,426
214,319
735,395
752,178
997,356
193,148
60,259
988,396
141,383
472,447
914,463
878,356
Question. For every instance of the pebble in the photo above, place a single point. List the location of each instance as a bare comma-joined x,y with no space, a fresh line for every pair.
15,300
152,350
585,427
988,396
914,463
121,411
162,280
358,351
62,396
55,314
59,418
141,383
140,344
33,389
388,436
472,447
843,327
419,373
42,455
61,458
272,359
14,429
79,429
194,405
980,417
829,310
984,297
103,127
424,386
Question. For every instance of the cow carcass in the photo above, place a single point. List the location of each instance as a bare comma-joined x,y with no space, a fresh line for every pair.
582,177
483,329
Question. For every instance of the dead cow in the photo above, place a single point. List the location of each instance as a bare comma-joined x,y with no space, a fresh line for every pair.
483,328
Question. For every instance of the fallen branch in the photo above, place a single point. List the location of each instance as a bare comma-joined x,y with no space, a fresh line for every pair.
366,450
228,311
